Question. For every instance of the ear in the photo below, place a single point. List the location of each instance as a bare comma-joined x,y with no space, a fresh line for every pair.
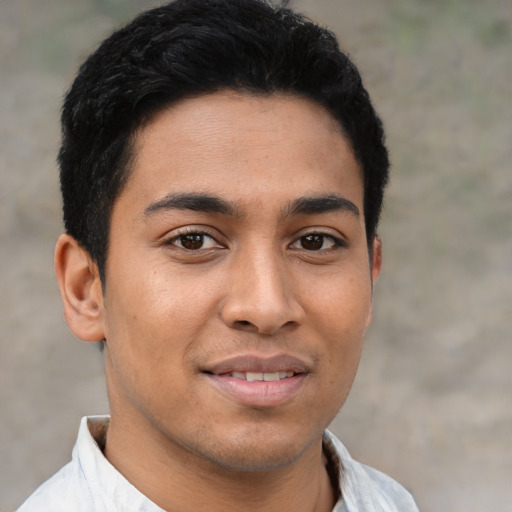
376,259
376,265
80,289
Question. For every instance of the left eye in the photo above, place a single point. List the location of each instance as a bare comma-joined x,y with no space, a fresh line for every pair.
194,241
315,242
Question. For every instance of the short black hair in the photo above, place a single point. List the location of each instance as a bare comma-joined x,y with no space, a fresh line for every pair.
188,48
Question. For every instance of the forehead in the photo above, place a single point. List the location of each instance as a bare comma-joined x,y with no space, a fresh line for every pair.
245,145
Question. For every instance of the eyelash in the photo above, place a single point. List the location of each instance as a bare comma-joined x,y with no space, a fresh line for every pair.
188,232
337,242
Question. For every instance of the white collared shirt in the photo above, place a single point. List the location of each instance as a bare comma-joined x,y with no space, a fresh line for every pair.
89,483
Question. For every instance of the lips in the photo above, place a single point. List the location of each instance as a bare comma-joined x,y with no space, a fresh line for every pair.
255,381
262,376
259,364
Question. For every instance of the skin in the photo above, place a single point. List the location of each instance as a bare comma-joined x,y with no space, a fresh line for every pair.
191,283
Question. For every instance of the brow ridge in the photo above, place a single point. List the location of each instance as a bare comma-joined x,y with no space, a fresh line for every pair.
315,205
200,202
197,202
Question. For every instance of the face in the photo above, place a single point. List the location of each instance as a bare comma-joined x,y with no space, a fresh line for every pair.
238,283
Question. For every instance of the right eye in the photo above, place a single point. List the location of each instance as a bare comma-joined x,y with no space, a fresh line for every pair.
194,241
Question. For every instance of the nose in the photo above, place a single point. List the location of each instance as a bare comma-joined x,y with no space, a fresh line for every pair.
262,296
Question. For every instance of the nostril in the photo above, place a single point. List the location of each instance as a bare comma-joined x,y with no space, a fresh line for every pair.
244,325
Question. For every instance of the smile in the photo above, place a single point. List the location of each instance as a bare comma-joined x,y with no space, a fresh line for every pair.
258,367
258,382
266,376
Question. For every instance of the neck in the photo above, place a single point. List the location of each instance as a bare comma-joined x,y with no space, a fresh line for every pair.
180,481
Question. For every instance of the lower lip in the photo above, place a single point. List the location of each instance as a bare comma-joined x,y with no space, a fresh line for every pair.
259,394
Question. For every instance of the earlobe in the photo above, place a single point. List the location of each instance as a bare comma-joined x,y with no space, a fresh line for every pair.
80,289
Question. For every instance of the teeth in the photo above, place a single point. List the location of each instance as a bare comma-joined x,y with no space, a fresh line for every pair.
259,376
250,376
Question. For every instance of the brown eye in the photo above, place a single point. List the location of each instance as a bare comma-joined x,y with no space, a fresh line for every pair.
312,242
318,242
192,241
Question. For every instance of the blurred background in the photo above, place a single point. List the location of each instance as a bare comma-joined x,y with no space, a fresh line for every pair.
432,403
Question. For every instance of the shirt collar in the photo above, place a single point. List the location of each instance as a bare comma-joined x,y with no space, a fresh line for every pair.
356,488
108,486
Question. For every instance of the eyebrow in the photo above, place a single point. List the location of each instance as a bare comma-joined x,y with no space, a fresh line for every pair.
194,202
206,203
321,204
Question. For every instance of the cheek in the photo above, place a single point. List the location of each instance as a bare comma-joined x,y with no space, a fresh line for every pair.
150,331
342,305
149,297
340,315
155,320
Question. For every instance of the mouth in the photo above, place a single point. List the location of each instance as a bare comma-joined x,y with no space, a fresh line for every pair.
262,376
258,382
259,367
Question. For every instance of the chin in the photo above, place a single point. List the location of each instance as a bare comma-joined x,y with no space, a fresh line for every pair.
254,462
258,452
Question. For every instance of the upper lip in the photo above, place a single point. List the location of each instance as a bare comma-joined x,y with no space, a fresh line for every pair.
258,363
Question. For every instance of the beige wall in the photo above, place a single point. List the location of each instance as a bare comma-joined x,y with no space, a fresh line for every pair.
432,404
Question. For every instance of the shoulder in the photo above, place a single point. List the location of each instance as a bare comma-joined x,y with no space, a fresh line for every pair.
388,491
61,493
89,483
365,489
71,488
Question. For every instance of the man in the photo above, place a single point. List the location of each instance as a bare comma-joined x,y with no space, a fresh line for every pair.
222,172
